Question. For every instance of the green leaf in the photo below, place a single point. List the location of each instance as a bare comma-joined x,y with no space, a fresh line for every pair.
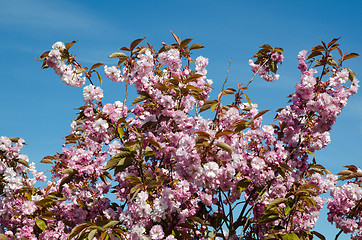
134,179
43,202
77,229
275,203
243,184
152,183
224,146
269,218
310,201
120,160
22,161
99,228
196,46
287,210
41,224
125,162
125,159
281,171
92,234
135,190
80,70
214,105
291,236
120,131
310,153
112,163
111,224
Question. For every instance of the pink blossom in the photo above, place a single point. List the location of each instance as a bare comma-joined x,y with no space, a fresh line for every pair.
274,57
201,63
171,58
29,207
156,232
113,73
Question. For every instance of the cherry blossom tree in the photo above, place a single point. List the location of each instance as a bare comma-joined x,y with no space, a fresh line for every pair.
158,169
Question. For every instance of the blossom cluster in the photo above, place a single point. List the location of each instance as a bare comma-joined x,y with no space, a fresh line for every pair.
265,70
15,207
67,73
314,109
345,208
173,174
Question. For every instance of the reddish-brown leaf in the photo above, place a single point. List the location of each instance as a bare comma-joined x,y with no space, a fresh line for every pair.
177,38
135,43
350,55
333,41
69,45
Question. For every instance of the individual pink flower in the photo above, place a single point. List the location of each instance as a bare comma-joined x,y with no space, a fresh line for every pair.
5,143
171,58
100,125
156,232
108,108
274,56
88,112
201,63
113,73
29,207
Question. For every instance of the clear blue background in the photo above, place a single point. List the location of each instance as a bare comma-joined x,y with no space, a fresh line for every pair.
38,107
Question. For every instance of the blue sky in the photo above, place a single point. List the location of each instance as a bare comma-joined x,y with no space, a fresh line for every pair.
38,107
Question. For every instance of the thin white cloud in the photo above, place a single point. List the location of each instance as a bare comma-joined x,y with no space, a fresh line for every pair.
59,15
